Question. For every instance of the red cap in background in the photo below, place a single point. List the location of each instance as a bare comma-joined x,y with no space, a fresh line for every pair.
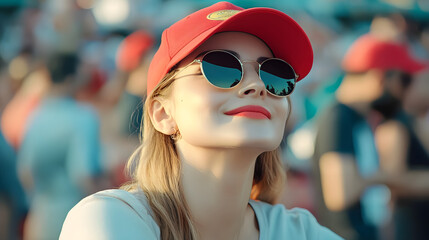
132,49
280,32
370,52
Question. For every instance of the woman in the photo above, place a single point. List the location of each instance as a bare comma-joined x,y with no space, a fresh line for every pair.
208,167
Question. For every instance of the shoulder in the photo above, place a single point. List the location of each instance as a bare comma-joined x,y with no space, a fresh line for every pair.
277,222
109,214
392,129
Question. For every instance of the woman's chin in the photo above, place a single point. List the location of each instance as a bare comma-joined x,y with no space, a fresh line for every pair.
246,143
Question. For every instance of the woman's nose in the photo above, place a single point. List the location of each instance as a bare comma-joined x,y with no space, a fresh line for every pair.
252,84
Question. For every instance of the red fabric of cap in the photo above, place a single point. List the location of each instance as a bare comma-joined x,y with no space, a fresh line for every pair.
370,52
280,32
131,50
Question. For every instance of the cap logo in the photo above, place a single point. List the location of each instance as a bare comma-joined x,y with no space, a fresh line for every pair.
222,14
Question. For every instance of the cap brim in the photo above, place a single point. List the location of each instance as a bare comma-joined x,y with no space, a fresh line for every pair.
280,32
415,66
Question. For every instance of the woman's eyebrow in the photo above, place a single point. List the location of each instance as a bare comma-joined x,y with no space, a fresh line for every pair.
232,52
259,60
226,50
201,54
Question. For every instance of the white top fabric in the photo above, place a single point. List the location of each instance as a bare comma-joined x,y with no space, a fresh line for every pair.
118,214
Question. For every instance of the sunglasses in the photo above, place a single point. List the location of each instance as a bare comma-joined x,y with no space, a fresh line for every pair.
224,70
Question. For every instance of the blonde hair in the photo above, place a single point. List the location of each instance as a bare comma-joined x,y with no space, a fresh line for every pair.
156,169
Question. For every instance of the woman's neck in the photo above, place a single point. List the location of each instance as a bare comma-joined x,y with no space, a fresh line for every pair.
217,185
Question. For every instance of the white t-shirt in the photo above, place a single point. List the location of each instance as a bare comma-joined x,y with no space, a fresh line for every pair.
118,214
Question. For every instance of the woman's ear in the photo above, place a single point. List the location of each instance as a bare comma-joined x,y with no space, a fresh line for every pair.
161,117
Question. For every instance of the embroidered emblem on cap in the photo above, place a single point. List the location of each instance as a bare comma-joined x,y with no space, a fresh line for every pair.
222,14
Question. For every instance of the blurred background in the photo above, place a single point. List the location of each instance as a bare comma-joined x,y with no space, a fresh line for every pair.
72,84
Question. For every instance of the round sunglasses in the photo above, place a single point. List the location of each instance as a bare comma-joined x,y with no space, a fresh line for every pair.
224,70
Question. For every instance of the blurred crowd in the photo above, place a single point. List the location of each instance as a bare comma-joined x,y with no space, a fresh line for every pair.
72,87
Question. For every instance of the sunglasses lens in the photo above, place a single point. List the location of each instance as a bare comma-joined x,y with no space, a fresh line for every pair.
278,77
221,69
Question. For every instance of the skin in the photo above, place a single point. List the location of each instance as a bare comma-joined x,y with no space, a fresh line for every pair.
218,152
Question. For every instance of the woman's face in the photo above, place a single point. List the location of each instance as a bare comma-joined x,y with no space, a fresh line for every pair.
199,109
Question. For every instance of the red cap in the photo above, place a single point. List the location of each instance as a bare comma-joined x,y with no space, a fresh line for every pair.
131,50
280,32
371,52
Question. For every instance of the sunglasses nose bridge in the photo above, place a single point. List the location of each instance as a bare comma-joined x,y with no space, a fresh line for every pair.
256,65
253,67
256,69
251,81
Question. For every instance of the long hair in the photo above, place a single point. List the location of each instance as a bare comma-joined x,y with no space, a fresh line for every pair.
155,168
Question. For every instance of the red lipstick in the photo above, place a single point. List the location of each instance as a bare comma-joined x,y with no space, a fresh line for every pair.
250,111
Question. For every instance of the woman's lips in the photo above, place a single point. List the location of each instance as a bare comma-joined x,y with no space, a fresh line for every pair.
250,111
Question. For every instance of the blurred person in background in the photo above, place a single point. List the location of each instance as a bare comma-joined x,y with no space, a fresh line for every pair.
127,112
131,60
403,143
29,85
58,160
13,202
119,102
217,105
353,198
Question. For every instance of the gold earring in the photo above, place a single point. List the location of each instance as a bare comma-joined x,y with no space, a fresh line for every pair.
176,135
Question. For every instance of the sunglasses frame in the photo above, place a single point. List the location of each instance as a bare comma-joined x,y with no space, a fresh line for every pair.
200,58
